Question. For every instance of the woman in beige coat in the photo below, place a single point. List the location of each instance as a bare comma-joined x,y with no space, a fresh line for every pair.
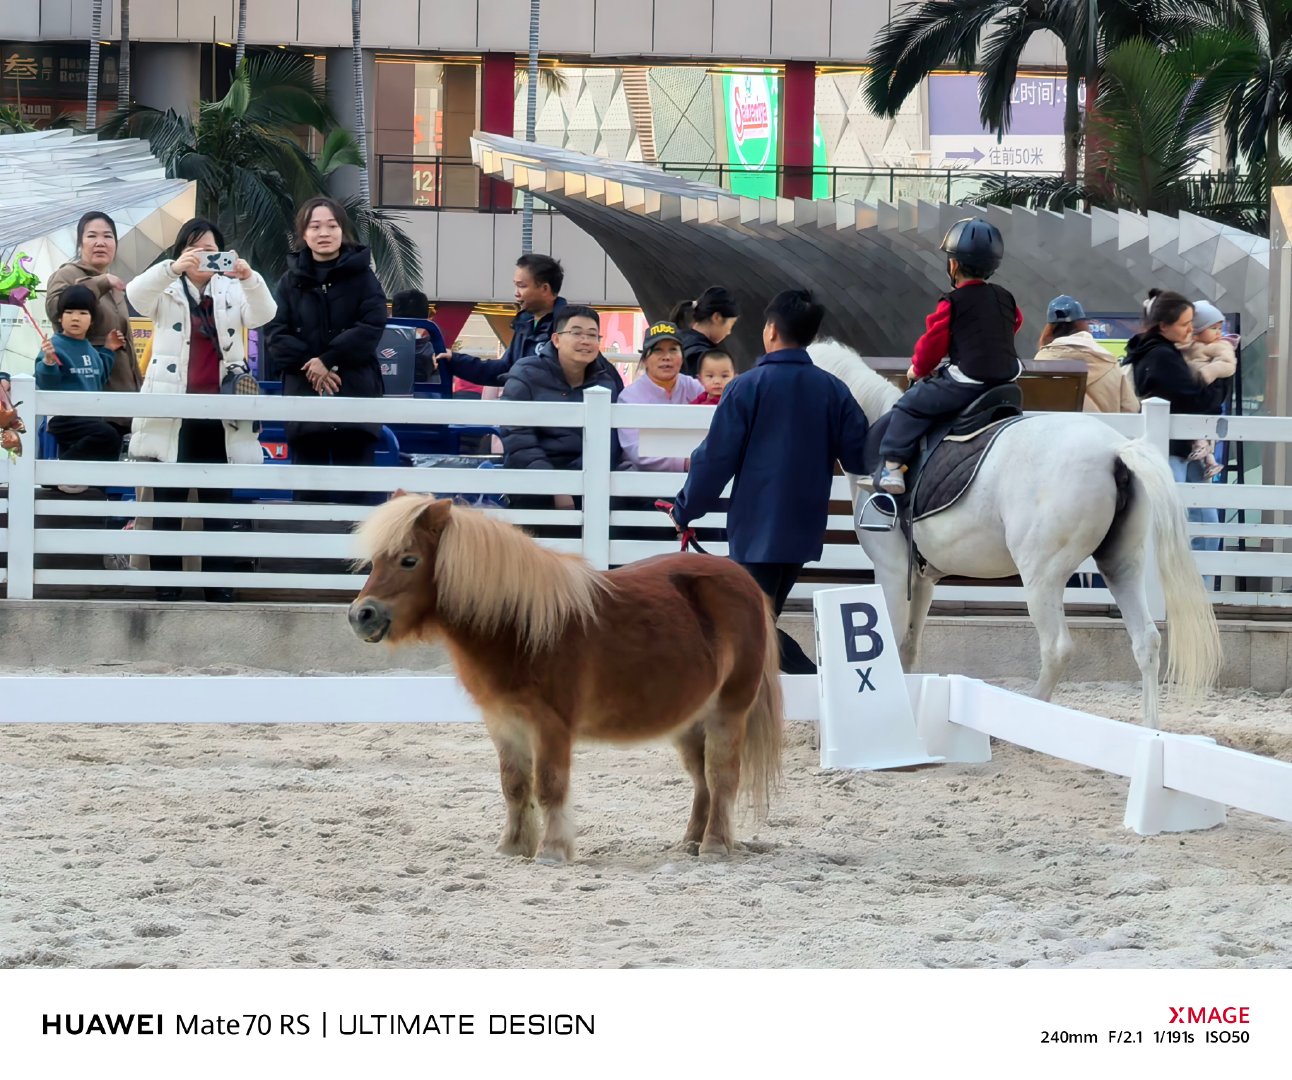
96,243
1067,336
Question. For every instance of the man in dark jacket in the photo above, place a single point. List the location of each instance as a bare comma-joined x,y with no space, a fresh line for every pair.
778,430
537,281
571,364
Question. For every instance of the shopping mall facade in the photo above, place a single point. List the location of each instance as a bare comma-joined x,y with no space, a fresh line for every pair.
761,96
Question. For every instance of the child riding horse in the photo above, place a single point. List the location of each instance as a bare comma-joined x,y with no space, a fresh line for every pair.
973,328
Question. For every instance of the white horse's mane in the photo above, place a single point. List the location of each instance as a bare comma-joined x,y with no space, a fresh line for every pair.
875,394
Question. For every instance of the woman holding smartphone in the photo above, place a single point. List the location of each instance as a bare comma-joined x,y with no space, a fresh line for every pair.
199,316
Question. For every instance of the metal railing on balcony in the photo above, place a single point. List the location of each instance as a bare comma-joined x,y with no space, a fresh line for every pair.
454,183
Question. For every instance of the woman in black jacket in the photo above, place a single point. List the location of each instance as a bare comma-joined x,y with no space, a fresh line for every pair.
706,323
1160,370
331,314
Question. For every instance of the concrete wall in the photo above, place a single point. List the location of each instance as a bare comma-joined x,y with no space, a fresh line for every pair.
839,31
470,256
305,638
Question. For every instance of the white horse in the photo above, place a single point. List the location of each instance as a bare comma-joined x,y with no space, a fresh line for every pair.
1051,492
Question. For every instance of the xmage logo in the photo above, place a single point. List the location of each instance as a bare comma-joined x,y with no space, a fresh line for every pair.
1210,1014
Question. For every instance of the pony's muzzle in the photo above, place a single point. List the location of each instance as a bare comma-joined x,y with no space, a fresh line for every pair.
369,619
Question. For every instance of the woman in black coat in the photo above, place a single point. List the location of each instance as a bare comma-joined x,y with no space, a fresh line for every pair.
706,323
331,315
1160,370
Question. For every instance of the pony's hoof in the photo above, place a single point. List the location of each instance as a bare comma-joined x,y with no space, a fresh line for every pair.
691,847
713,849
551,857
514,848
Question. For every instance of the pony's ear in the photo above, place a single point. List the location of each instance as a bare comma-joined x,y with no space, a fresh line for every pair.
399,492
435,517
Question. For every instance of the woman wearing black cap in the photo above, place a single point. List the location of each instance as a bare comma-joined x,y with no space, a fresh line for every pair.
706,323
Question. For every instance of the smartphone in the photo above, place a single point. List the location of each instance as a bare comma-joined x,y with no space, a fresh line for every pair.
217,261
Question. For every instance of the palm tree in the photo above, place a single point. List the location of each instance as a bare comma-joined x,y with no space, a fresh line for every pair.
1158,110
242,35
531,111
123,65
92,79
930,35
252,172
1260,34
12,122
360,113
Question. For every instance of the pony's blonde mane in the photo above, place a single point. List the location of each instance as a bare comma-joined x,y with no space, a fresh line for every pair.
875,394
489,574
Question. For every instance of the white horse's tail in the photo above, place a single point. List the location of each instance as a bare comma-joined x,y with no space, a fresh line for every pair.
1193,640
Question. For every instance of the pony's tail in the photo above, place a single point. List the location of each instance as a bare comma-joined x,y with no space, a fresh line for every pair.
760,755
1193,651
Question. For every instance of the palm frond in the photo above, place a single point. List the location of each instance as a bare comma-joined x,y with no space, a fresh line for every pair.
922,37
394,252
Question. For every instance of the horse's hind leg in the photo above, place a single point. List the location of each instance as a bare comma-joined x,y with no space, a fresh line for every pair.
690,747
724,731
516,768
1124,576
1045,605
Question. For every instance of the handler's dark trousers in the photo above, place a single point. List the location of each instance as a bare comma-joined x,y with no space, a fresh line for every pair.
930,400
776,580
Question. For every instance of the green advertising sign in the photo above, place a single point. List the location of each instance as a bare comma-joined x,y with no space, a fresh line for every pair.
752,106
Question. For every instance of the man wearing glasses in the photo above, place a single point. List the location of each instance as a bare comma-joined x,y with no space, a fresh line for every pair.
562,373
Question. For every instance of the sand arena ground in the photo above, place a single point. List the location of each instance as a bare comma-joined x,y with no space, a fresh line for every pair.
370,846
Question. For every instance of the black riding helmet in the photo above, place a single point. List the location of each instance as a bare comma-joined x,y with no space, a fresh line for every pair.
976,245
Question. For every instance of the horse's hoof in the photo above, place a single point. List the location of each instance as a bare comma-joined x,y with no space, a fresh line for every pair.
712,849
551,857
691,847
509,847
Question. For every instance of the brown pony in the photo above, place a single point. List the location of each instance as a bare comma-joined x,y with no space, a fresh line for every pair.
553,651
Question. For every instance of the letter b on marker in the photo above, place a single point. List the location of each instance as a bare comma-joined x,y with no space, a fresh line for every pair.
860,641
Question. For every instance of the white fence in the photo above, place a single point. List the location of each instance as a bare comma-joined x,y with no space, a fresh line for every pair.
604,533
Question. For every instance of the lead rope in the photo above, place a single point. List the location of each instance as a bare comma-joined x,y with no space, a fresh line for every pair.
687,535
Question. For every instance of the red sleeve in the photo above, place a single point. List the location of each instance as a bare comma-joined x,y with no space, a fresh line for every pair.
1018,319
933,345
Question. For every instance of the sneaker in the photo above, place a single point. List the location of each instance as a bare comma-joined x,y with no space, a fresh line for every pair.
72,489
892,481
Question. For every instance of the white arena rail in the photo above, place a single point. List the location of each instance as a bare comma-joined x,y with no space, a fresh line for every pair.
603,531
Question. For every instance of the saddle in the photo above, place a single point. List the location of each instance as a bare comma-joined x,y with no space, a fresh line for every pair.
948,460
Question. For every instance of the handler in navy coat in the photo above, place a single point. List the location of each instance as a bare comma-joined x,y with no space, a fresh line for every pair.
778,430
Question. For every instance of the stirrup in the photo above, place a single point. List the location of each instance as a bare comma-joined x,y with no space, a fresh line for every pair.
877,514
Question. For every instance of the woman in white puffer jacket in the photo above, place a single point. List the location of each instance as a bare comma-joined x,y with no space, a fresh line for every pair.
199,318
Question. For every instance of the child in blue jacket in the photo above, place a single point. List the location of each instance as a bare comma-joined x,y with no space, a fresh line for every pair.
68,361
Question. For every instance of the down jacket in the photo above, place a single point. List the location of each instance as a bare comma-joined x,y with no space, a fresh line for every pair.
1108,385
236,305
540,378
336,312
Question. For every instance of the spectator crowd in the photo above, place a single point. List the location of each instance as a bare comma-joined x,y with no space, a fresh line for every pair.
777,430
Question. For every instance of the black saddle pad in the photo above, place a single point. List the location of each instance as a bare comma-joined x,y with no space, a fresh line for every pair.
947,473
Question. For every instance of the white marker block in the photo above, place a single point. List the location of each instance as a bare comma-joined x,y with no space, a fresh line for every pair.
866,721
1152,808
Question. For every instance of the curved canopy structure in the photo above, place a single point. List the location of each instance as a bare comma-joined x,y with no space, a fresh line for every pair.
876,266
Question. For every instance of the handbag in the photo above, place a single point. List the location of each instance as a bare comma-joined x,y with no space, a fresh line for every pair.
239,380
